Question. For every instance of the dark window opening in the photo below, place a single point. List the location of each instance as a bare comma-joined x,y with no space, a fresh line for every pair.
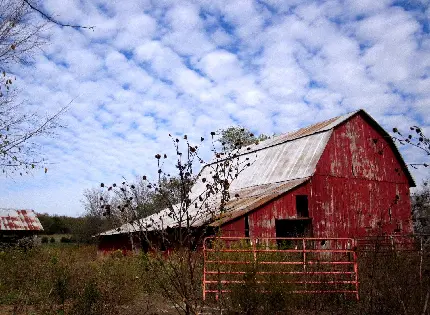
398,228
302,206
246,226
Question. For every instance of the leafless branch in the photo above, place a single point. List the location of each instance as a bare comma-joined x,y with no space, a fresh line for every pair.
53,20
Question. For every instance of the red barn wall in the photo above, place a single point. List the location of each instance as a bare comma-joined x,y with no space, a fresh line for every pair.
235,228
352,194
359,187
262,221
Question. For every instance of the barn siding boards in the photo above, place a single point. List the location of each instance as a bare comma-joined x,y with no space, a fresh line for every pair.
357,181
353,153
235,228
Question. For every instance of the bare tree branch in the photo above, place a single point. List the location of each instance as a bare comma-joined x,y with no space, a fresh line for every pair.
55,21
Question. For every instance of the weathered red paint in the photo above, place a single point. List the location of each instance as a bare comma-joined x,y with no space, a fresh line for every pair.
234,228
359,188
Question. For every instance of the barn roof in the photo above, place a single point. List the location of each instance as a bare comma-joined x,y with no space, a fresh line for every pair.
277,165
19,220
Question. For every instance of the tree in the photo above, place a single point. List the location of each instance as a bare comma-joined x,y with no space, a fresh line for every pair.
19,33
20,38
187,200
421,199
235,136
144,202
421,209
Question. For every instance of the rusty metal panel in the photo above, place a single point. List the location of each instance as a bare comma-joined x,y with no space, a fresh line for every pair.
19,220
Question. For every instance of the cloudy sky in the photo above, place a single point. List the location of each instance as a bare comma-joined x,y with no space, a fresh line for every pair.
150,68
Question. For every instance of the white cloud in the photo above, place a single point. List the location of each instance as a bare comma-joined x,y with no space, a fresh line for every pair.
220,65
150,68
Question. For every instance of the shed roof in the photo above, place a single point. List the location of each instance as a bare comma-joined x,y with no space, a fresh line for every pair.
278,165
19,220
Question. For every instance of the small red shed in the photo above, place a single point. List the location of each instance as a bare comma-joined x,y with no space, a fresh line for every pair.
343,177
18,224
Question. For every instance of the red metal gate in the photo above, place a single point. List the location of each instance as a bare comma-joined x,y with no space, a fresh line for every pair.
300,265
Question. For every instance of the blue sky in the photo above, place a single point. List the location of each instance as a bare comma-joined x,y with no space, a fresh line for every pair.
150,68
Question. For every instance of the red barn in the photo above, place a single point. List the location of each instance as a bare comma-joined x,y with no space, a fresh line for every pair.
343,177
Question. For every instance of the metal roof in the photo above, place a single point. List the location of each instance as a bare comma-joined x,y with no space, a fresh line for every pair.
277,165
19,220
282,162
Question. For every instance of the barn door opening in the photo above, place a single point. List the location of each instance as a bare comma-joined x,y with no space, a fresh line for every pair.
292,228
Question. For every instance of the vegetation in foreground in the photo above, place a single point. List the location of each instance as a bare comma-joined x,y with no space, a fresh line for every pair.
77,280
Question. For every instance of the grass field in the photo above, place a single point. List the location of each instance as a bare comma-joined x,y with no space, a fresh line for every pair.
73,279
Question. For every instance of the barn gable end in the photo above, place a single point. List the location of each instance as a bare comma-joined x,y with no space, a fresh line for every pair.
360,148
361,184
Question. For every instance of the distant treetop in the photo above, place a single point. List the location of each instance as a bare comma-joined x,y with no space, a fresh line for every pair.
237,136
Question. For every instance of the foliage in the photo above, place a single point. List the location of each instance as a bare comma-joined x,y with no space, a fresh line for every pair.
65,239
236,136
68,280
57,224
421,209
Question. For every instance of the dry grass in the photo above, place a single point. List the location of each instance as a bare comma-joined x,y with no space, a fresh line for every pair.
76,280
69,279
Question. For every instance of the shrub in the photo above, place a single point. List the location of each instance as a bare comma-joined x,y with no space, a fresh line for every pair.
52,240
65,239
45,239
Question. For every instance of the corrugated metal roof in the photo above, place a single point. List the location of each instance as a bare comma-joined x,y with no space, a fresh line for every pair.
275,167
19,220
280,163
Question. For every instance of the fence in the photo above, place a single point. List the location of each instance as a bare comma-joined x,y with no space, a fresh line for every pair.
389,245
392,243
300,265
